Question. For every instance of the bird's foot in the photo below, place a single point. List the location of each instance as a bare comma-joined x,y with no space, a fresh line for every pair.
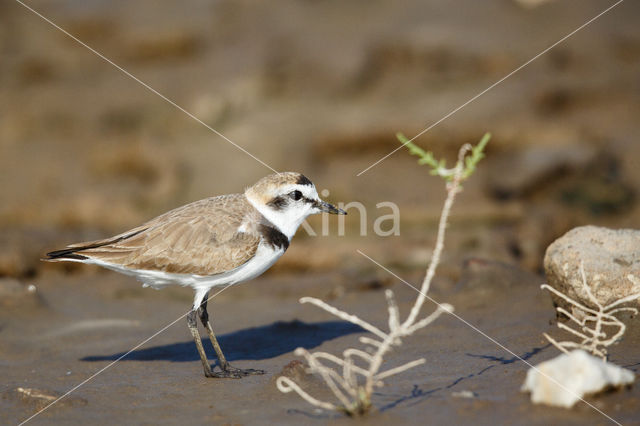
230,372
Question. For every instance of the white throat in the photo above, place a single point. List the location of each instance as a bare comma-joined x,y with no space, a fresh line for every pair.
287,221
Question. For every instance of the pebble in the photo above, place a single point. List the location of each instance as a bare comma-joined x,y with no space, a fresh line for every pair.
611,260
16,295
578,373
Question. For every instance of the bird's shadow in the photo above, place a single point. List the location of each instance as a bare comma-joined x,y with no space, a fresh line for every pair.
256,343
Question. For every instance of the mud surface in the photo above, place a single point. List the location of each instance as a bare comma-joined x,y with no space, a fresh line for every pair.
82,331
317,87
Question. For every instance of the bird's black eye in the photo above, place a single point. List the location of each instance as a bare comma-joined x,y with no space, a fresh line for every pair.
296,195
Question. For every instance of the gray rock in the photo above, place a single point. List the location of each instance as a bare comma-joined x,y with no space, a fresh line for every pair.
609,256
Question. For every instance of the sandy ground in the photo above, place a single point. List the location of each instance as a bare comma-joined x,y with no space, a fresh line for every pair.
321,88
55,347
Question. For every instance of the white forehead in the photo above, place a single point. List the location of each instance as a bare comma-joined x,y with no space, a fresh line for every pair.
308,191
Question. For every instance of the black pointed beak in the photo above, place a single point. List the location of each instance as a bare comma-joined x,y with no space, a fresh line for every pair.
325,207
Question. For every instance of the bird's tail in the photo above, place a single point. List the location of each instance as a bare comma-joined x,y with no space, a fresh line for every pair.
65,254
73,252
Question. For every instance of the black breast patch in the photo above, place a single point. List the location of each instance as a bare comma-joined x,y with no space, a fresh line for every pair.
274,237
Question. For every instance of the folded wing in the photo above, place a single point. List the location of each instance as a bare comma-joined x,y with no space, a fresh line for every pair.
200,238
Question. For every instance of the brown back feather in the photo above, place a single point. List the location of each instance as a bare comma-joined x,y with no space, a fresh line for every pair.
198,238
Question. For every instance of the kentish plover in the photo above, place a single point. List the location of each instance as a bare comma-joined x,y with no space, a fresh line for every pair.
213,242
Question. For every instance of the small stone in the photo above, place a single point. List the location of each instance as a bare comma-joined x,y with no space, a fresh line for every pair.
16,295
611,260
295,370
564,380
464,394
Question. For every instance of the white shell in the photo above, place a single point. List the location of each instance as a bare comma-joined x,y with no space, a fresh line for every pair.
578,372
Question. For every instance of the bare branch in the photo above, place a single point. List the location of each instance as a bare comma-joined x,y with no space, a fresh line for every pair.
555,343
400,369
369,341
354,386
357,352
594,321
326,375
442,308
345,316
339,361
629,298
286,385
568,299
394,312
571,330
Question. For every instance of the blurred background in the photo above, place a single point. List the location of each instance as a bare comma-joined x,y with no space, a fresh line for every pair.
318,87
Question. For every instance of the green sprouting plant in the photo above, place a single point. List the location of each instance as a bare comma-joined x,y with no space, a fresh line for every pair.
362,370
438,167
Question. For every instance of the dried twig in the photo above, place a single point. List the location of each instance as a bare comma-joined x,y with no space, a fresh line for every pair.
361,369
590,322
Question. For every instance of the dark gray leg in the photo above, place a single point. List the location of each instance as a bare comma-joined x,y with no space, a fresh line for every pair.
192,322
227,369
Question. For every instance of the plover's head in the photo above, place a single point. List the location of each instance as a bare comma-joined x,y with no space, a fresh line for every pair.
286,199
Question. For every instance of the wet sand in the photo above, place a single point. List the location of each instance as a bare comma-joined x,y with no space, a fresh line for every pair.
53,348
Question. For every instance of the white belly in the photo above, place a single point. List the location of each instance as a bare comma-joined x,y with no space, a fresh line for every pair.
264,258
